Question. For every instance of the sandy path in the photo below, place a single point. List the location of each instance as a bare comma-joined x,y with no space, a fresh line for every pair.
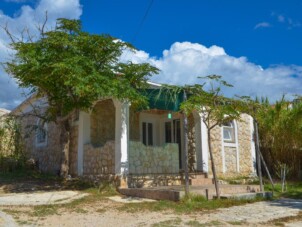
105,213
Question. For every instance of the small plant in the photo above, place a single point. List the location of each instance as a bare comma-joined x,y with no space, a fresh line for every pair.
282,171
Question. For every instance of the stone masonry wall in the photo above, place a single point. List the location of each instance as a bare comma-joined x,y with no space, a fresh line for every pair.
48,157
216,148
230,152
99,160
102,122
153,160
244,139
230,160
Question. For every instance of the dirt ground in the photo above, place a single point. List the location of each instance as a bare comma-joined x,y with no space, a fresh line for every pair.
95,210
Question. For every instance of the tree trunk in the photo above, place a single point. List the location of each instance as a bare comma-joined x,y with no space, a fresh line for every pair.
185,125
65,141
213,166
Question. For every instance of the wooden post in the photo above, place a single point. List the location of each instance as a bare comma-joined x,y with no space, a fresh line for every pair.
267,171
258,156
207,194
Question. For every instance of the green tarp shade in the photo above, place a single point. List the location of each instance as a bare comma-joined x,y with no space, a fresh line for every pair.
163,99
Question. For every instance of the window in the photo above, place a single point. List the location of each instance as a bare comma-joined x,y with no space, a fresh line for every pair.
147,133
229,132
41,134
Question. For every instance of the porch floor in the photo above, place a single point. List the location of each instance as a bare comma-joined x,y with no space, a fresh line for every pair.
175,193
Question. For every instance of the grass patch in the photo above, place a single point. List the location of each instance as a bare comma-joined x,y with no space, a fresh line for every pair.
45,210
101,210
26,175
294,190
236,222
189,204
12,212
214,223
75,205
283,221
194,223
24,222
81,210
168,223
198,224
16,213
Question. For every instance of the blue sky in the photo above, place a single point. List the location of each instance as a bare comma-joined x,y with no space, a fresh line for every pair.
230,24
255,45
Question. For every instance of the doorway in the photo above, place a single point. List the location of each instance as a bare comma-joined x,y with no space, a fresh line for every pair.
173,135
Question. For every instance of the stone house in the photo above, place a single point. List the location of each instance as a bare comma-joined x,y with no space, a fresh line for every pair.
143,147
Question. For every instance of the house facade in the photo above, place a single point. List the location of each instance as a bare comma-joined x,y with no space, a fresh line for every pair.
143,147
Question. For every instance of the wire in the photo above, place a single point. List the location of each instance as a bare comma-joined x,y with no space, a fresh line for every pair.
142,22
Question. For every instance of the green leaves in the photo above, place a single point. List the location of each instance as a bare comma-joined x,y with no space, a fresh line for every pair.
73,68
215,108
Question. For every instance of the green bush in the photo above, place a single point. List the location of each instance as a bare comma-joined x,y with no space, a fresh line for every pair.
12,155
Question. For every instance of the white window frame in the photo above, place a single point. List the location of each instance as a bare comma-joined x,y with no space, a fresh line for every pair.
41,127
229,127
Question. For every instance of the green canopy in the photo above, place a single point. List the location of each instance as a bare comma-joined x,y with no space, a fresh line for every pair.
163,99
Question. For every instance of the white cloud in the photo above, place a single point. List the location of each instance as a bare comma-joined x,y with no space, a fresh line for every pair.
185,61
28,17
17,1
281,18
286,21
262,25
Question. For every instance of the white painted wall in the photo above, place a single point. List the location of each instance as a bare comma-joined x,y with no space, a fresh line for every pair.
83,138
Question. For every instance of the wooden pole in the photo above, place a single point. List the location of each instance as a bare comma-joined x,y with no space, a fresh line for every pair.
185,126
258,156
267,171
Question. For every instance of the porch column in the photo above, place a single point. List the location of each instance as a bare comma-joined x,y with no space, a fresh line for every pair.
121,137
198,139
204,147
253,146
83,138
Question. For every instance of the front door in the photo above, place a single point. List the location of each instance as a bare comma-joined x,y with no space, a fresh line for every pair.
173,135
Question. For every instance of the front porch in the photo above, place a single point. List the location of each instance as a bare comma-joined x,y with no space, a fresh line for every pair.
116,140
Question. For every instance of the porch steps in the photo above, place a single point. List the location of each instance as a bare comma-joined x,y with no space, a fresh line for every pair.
249,195
198,178
175,193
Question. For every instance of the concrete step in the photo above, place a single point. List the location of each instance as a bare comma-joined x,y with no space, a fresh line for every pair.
250,195
198,175
237,189
200,178
175,193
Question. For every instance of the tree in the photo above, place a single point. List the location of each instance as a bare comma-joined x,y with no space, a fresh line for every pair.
215,110
280,127
73,69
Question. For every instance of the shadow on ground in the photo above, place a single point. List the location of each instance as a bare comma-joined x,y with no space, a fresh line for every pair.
29,181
